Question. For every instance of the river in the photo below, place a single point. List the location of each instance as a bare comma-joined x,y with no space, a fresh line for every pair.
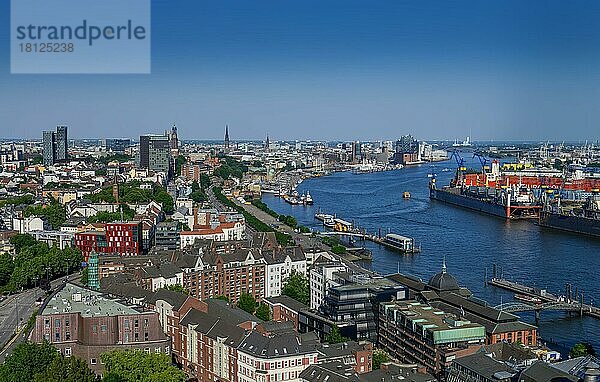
470,241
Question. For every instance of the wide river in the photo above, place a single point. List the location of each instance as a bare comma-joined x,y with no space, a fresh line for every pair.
470,241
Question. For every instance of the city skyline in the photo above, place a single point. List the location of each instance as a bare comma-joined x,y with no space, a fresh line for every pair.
335,70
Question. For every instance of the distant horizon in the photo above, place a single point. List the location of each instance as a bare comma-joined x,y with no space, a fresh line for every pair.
326,70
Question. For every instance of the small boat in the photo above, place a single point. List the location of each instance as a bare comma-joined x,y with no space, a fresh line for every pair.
308,200
406,195
529,299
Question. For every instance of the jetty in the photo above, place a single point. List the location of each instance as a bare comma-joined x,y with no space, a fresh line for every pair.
570,302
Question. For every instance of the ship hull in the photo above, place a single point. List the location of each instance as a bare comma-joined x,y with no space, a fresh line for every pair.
575,224
468,202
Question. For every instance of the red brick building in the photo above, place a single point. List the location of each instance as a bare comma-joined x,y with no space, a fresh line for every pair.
84,323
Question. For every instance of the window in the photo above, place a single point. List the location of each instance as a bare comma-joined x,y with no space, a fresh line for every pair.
67,322
93,361
136,323
94,329
126,337
136,336
67,336
68,352
57,337
47,323
146,337
126,323
57,323
145,322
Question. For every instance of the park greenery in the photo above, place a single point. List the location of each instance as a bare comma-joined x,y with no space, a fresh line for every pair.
54,212
288,220
42,363
107,217
34,262
582,349
139,366
230,168
296,287
26,199
251,220
131,192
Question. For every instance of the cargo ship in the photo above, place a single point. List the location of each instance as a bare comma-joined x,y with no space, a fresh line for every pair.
583,219
515,202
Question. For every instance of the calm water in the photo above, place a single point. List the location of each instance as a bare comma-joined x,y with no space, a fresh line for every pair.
470,241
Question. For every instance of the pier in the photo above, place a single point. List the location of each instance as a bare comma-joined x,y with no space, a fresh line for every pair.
548,301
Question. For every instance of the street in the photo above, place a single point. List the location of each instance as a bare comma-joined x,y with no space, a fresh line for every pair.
15,311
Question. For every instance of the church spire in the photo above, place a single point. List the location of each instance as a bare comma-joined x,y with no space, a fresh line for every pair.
444,265
226,136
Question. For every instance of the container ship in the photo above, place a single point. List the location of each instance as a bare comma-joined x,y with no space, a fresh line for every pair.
514,202
583,219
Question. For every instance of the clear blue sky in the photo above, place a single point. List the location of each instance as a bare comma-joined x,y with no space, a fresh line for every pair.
335,70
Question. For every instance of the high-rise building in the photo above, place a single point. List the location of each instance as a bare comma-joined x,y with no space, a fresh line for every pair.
61,143
155,153
48,147
55,146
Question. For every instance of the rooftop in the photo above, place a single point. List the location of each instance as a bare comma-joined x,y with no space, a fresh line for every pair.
74,299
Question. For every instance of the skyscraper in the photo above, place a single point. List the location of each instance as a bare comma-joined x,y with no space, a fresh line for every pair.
155,153
55,145
49,148
61,143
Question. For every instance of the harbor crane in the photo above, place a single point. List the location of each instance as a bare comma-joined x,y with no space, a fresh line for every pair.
460,162
482,159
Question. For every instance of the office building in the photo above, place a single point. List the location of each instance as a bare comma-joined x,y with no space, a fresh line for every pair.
155,154
55,146
415,333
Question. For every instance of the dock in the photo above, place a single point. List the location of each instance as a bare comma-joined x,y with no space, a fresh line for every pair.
568,303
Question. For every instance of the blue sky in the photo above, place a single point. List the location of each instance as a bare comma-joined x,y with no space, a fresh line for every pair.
335,70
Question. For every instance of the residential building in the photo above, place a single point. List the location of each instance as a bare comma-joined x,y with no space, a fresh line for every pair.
121,238
338,371
415,333
57,239
84,323
321,277
280,265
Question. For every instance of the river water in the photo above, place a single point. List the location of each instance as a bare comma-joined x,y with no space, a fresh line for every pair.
470,241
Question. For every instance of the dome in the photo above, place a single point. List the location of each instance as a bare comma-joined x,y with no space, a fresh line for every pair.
444,281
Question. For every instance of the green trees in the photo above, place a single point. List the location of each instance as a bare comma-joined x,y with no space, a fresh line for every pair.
22,240
42,363
131,192
263,312
180,161
177,288
296,287
582,349
247,303
71,369
138,366
251,220
107,217
338,249
54,212
335,336
34,262
379,357
230,168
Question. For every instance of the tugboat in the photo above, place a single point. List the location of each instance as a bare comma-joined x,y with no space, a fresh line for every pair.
406,195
